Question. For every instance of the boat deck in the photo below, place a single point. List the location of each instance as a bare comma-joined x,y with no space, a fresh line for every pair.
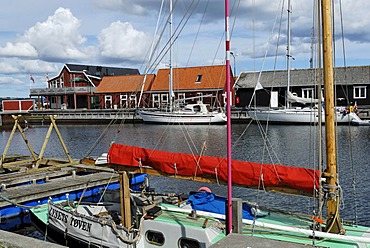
241,241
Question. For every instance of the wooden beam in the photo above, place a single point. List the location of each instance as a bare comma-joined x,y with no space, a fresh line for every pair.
151,171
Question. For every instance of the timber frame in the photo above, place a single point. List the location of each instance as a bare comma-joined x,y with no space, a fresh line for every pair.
35,161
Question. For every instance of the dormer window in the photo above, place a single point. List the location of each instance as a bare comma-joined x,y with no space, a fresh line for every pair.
199,79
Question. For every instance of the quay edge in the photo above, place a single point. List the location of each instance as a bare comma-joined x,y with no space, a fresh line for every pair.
9,239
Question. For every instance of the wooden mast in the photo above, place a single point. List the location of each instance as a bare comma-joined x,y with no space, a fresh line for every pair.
333,224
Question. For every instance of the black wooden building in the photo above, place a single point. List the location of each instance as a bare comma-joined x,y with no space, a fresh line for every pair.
351,85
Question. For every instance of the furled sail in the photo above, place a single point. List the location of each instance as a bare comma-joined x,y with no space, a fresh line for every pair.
250,174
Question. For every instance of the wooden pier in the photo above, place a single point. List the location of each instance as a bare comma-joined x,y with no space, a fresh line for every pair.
56,183
94,116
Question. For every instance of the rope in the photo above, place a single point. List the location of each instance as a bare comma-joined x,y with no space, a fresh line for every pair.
105,188
14,203
136,232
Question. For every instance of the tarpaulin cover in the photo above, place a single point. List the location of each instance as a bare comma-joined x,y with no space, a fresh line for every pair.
209,202
243,173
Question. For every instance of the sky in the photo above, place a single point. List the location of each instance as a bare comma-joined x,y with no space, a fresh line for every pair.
38,37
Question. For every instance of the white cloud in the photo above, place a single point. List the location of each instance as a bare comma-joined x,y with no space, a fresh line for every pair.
55,39
122,41
38,66
8,68
14,66
20,49
7,81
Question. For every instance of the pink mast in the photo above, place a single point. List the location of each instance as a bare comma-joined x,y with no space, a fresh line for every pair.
228,111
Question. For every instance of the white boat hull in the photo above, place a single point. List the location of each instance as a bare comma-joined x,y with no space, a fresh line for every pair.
182,117
89,226
303,116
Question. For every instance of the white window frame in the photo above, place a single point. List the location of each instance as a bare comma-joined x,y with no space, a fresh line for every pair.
181,97
123,100
164,98
107,98
359,92
61,82
200,96
308,93
133,99
155,100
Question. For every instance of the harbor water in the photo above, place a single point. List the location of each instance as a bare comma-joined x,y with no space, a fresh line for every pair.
285,144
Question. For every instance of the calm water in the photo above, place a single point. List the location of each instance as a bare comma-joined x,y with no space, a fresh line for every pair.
288,145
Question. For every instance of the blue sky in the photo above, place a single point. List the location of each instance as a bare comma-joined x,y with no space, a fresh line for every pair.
38,37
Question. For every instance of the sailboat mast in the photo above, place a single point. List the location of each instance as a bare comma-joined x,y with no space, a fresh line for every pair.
228,111
170,88
288,56
333,223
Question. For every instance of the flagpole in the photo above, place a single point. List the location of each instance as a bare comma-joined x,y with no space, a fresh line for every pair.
228,126
30,83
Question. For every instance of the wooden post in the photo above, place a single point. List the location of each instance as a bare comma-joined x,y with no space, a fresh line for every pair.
15,127
42,151
53,125
125,199
61,139
237,219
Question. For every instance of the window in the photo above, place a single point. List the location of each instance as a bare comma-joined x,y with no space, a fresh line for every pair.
164,98
132,101
156,102
123,99
108,101
188,243
200,96
62,81
198,79
308,93
181,98
359,92
155,238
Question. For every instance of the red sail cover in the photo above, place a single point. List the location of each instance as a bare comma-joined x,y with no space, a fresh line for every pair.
243,173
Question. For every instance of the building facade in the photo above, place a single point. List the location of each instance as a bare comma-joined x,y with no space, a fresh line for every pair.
123,92
75,85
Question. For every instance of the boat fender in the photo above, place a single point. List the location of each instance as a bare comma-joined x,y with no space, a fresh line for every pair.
206,189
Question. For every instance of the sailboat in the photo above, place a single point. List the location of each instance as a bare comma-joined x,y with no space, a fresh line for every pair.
197,113
177,225
312,108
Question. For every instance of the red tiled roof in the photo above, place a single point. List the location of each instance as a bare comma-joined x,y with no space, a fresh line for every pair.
125,83
212,77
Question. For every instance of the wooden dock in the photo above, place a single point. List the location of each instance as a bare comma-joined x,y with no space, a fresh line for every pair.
93,116
56,183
